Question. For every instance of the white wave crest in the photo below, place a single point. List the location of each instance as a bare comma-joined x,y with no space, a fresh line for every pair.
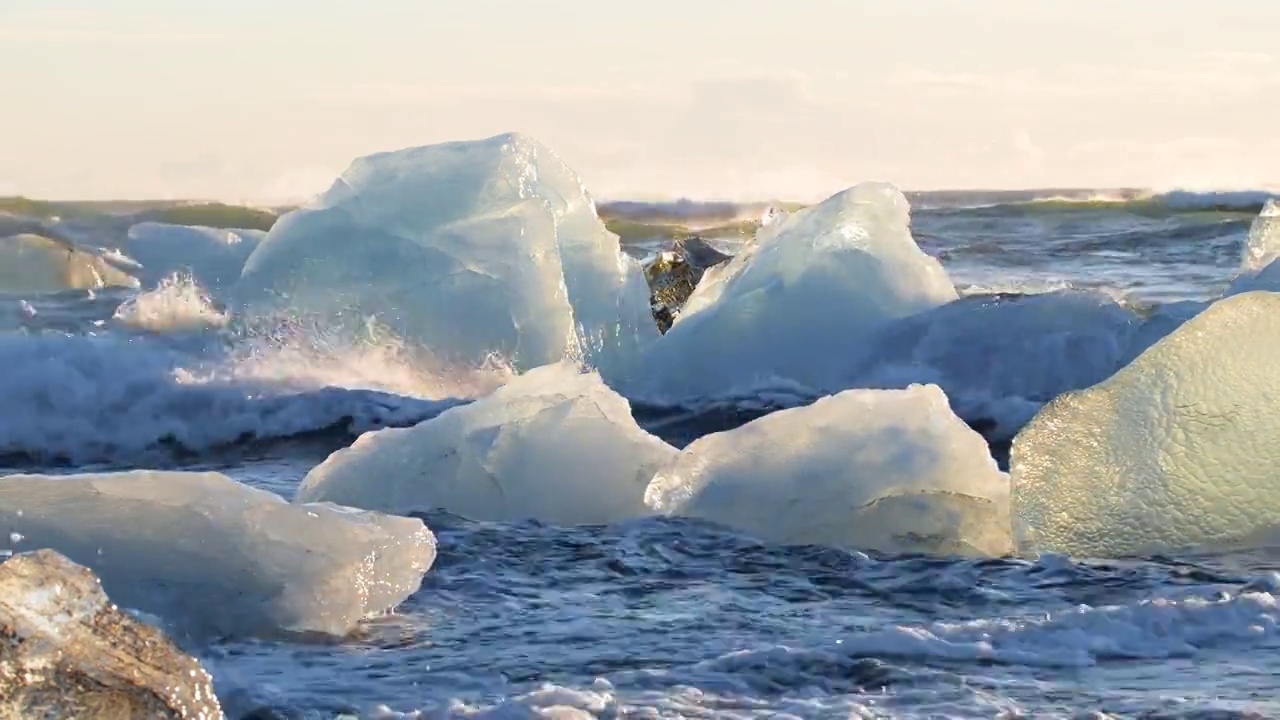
1154,629
177,304
1242,200
289,351
108,398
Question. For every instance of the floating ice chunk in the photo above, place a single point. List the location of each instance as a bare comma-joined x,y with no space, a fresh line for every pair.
889,470
213,257
1174,451
471,249
1263,245
555,445
1159,322
1258,271
211,555
799,303
980,349
37,264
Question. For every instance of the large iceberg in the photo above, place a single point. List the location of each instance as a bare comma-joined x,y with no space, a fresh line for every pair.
890,470
470,249
991,351
798,304
212,257
37,264
211,555
1176,450
555,445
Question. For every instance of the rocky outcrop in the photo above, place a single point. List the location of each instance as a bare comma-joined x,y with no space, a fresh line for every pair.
673,274
67,652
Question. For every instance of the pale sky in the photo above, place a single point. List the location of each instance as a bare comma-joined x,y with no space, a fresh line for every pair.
268,100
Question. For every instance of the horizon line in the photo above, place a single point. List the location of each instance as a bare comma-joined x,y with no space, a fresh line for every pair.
659,199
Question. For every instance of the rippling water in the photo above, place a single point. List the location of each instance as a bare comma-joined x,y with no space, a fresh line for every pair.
674,618
666,618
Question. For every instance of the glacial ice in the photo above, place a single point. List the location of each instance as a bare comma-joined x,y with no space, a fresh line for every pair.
1263,244
37,264
985,350
1159,322
555,445
212,257
1174,451
890,470
1258,269
211,555
470,249
799,303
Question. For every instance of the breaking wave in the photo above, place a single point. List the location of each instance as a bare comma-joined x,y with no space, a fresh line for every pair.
178,303
1140,201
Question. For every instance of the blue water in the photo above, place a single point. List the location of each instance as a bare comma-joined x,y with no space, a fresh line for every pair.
670,618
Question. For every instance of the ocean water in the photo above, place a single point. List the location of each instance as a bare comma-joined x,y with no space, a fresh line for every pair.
665,618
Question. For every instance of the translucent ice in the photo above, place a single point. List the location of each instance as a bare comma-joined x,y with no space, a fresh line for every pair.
212,257
209,554
983,350
1258,271
1173,451
798,303
555,445
890,470
35,264
1263,245
471,249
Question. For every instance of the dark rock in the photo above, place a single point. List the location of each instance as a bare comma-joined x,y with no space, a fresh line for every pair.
674,274
700,253
67,652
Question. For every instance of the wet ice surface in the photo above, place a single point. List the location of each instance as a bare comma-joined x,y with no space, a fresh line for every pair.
677,618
